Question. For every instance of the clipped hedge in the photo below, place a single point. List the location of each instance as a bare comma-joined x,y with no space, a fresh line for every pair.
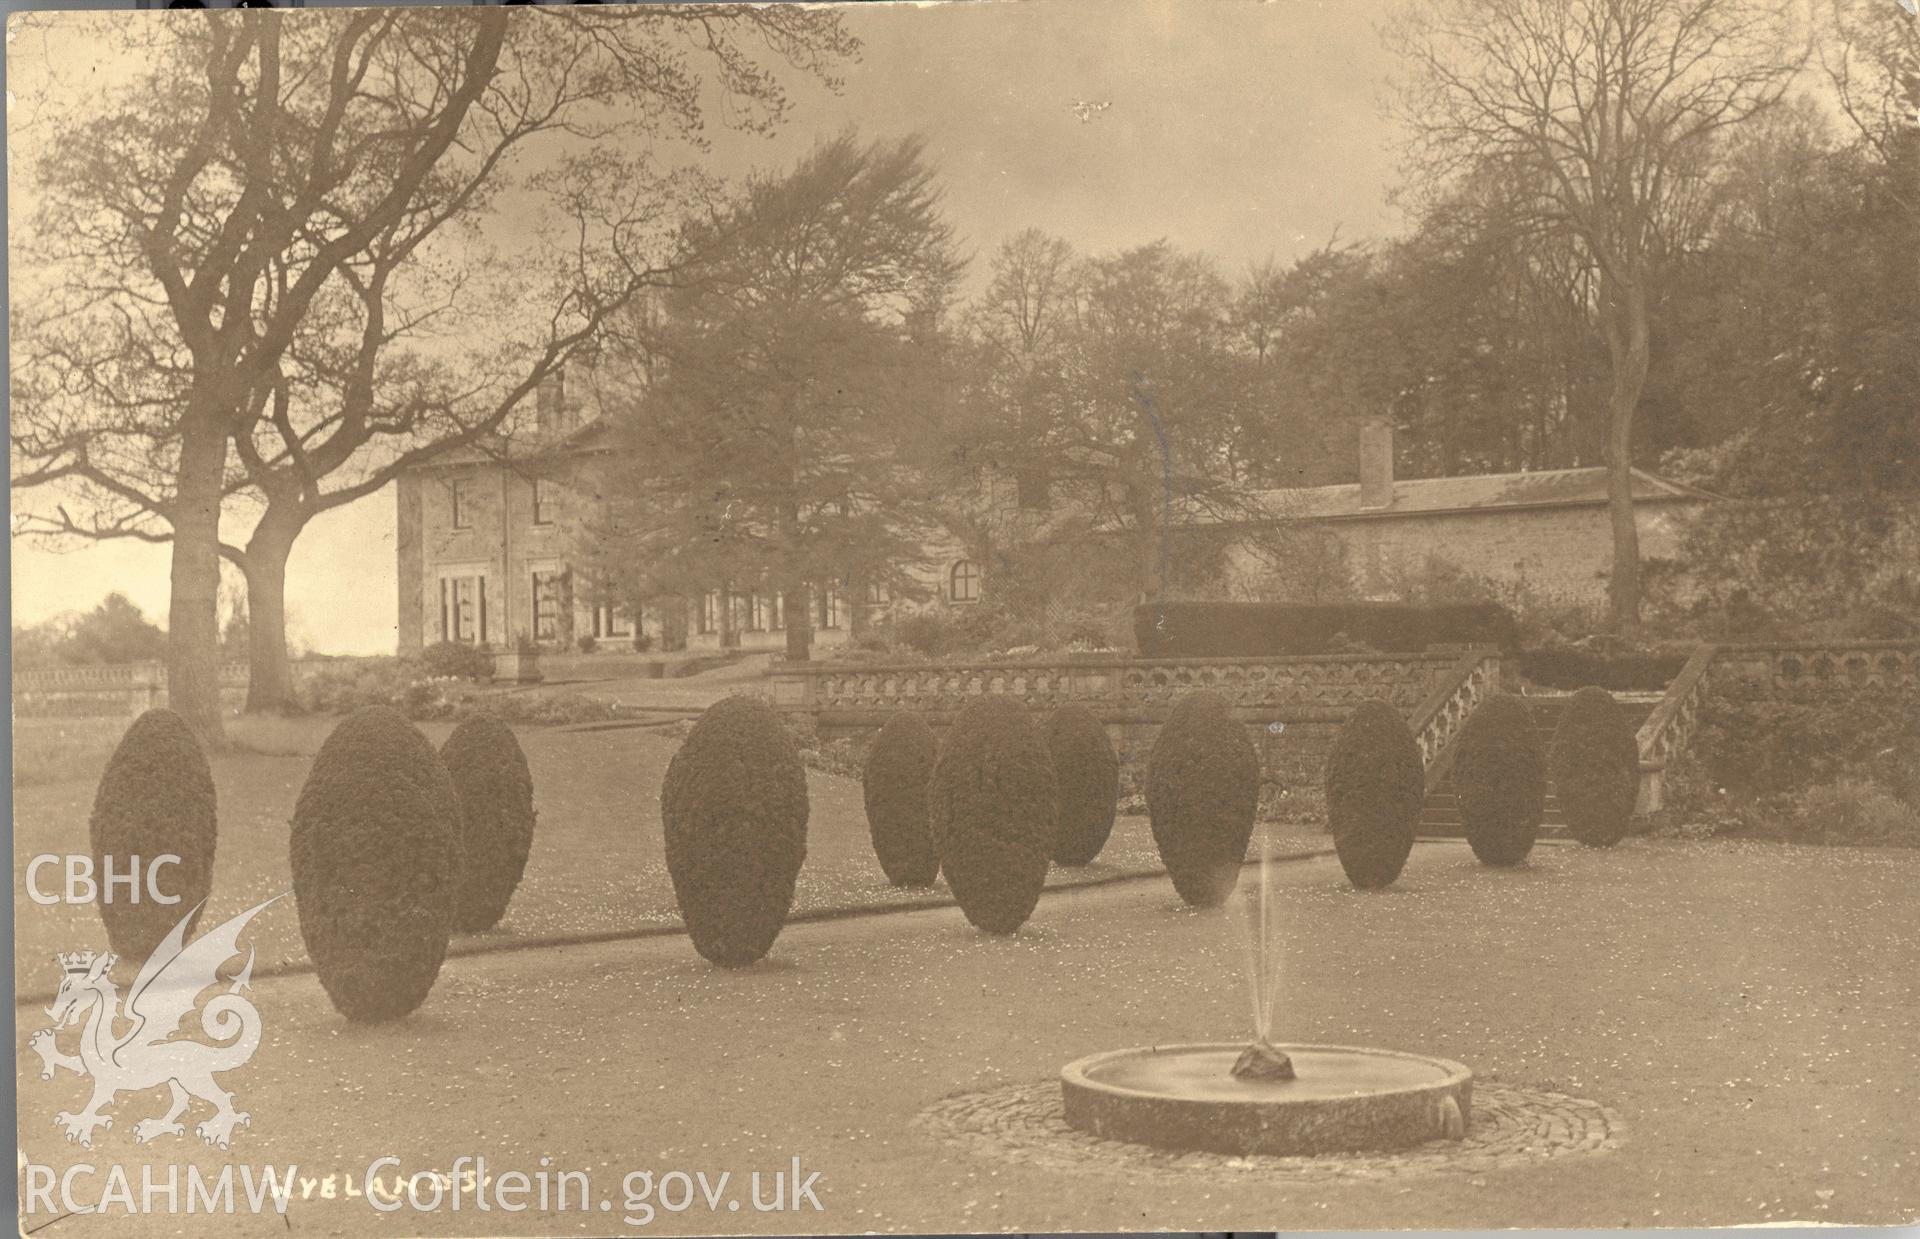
1595,764
457,658
1203,788
1087,773
991,804
894,785
1376,788
1278,629
1500,776
1566,668
374,852
155,798
734,807
495,788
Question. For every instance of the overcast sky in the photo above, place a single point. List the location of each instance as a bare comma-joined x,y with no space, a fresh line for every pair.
1241,129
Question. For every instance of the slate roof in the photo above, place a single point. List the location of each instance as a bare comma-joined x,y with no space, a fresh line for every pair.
1484,492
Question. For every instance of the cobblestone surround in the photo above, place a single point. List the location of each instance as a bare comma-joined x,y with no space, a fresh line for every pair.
1511,1126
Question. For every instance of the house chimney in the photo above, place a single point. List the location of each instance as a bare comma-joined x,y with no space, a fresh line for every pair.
1376,463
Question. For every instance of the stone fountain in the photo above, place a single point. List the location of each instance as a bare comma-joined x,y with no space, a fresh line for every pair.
1259,1097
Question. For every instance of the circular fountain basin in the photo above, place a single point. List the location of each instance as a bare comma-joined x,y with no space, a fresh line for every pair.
1345,1099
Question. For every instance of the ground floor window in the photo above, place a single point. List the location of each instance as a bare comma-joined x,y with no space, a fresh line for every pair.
463,609
829,609
710,611
611,621
549,602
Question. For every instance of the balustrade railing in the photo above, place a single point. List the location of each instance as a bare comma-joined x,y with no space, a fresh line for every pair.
1664,736
1134,687
1817,668
1436,722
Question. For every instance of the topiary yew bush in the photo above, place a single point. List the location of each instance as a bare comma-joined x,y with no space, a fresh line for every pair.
734,807
1376,787
991,804
375,858
1203,788
156,798
1595,765
894,785
1500,775
495,790
1087,774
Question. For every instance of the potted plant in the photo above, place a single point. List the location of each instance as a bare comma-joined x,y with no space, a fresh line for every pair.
519,665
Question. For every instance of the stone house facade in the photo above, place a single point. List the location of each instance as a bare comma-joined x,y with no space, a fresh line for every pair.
488,545
488,552
1539,537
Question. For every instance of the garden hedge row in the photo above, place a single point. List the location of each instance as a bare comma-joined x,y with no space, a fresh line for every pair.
1203,789
893,785
490,776
1278,629
1087,773
1595,765
155,798
734,809
1500,777
374,853
1376,788
1559,667
991,804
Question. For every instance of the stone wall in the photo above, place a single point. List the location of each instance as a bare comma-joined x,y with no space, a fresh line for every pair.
1559,556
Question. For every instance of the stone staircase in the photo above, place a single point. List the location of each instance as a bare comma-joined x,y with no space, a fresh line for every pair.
1441,817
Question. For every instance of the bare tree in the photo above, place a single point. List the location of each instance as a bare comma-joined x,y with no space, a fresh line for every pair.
1873,60
1608,108
241,248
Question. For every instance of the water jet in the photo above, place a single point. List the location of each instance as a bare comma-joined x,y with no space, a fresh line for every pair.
1262,1097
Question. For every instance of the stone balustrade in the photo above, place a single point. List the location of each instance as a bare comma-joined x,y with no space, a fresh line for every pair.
1665,734
1802,669
1118,688
1436,722
100,690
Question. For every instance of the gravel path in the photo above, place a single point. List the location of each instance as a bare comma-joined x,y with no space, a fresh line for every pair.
1742,1074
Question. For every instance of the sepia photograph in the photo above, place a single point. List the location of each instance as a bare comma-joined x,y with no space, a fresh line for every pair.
981,616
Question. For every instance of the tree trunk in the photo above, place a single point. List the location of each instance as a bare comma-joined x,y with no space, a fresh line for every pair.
193,610
269,677
798,610
1627,346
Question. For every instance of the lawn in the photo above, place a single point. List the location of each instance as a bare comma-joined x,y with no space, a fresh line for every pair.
1746,1011
597,866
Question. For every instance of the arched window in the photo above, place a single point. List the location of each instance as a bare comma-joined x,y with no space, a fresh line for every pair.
963,582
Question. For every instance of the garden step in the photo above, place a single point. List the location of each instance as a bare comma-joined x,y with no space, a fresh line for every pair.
1440,818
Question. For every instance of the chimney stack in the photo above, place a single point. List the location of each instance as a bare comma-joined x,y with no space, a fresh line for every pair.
1376,463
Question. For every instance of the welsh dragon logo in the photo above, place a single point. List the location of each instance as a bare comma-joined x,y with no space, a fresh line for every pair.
162,996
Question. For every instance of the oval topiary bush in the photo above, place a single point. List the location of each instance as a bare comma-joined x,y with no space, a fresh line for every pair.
991,805
375,858
495,789
1087,776
894,785
1595,765
156,798
1376,786
1500,774
734,806
1203,788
